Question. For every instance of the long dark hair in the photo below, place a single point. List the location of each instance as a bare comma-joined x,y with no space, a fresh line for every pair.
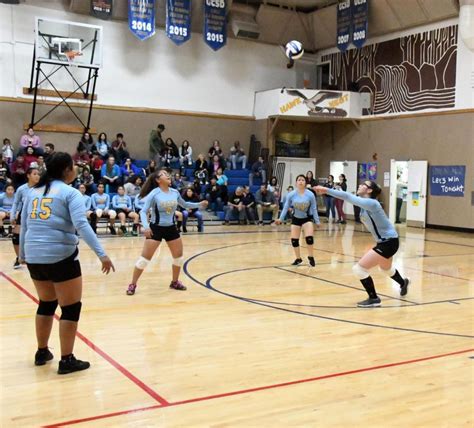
376,190
343,177
151,182
56,166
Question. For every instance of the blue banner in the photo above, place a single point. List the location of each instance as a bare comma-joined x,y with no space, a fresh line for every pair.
447,180
343,24
178,20
141,18
360,22
215,26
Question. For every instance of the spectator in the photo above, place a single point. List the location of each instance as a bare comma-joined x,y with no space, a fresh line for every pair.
110,175
30,139
185,154
18,171
151,168
215,195
81,159
156,143
122,205
258,170
119,148
172,148
216,150
87,179
6,203
215,163
190,196
41,165
329,200
197,187
265,200
133,186
103,146
178,182
249,204
48,151
310,181
129,169
87,144
283,200
339,203
274,187
7,151
30,156
96,166
237,155
4,173
200,171
235,206
222,179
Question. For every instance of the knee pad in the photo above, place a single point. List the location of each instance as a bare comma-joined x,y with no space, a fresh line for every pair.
142,263
71,312
47,308
178,261
112,214
295,242
98,213
360,272
16,239
309,240
389,272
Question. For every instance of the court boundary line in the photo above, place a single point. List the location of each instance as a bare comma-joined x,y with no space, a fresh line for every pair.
259,388
131,377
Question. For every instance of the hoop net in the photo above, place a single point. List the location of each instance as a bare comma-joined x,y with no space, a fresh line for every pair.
71,56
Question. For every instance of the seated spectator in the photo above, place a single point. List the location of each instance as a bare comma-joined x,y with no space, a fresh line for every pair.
216,150
189,196
103,146
100,203
274,187
4,174
200,171
48,151
186,154
30,139
235,205
237,154
81,159
170,151
197,187
167,157
87,144
266,202
96,166
249,204
178,182
215,163
110,175
18,171
119,149
129,169
7,151
222,179
122,205
151,168
87,179
6,203
41,165
133,186
258,170
215,195
30,156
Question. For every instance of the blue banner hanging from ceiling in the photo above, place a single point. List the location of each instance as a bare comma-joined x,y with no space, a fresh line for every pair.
215,26
343,24
178,20
141,18
360,22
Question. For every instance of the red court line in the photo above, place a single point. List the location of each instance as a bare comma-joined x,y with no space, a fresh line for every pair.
96,349
260,388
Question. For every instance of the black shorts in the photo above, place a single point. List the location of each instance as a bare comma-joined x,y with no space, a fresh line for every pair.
61,271
120,210
168,233
387,248
300,221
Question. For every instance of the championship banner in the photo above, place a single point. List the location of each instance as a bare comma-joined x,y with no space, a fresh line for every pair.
102,8
360,22
178,20
344,24
215,26
141,18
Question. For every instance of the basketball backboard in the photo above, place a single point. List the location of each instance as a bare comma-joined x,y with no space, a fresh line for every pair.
68,42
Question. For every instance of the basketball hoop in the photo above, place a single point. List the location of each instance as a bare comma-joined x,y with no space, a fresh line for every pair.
71,55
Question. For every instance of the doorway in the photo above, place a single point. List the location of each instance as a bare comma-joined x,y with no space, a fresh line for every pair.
398,191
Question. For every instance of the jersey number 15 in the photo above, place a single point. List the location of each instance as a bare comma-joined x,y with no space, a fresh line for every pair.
44,211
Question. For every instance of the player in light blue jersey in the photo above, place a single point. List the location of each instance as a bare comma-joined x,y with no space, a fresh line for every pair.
138,204
161,202
6,204
52,212
122,205
100,202
305,212
33,177
375,220
87,202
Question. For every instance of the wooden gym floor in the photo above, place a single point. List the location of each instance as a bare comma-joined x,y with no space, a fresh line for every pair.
254,341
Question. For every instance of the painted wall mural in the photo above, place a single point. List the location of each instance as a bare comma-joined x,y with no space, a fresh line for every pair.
410,73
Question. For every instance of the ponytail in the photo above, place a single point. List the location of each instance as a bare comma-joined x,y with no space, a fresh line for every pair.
149,185
56,166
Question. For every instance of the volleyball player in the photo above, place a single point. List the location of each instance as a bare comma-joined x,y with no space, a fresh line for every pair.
51,214
33,177
375,220
6,205
122,205
161,200
305,212
87,200
101,208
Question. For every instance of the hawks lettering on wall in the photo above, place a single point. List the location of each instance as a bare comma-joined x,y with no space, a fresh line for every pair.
411,73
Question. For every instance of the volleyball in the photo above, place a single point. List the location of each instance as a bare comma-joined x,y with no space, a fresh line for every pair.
294,50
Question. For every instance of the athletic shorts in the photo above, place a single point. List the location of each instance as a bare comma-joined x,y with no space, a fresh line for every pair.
168,233
387,248
61,271
120,210
300,221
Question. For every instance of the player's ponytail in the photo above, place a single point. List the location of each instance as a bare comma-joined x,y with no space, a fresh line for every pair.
56,166
149,185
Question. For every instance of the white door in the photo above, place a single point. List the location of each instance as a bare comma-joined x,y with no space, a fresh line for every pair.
416,198
349,169
393,191
293,168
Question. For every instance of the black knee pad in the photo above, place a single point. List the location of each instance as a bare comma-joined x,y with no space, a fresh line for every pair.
16,239
71,312
295,242
47,308
309,240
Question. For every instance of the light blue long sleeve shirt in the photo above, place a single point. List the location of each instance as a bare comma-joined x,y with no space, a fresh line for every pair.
101,202
121,202
304,205
20,195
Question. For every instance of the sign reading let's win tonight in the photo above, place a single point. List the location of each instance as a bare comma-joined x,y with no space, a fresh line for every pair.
447,180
